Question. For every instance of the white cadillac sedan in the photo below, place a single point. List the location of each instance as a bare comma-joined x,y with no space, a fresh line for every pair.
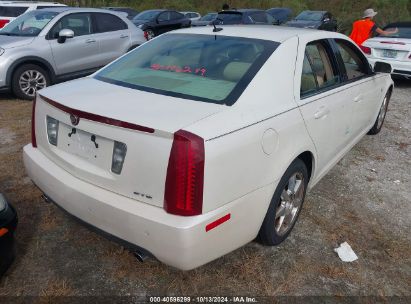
199,141
394,49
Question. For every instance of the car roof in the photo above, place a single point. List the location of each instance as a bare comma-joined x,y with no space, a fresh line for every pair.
242,10
28,3
264,32
62,9
322,12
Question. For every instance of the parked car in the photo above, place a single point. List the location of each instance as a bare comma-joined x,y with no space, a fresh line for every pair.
157,22
280,14
213,138
46,46
8,224
244,16
193,16
205,20
320,20
131,13
9,10
394,49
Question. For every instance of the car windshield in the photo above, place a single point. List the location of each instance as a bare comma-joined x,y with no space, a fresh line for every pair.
310,16
207,68
403,31
29,24
208,17
147,15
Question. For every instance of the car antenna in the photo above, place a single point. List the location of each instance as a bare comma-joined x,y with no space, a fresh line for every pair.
217,29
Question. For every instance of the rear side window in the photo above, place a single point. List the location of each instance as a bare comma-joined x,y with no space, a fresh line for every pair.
195,67
79,23
176,16
108,23
230,18
12,11
356,65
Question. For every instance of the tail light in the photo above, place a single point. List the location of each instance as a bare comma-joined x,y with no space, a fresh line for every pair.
52,130
119,155
3,22
146,35
33,125
365,49
185,175
393,42
409,57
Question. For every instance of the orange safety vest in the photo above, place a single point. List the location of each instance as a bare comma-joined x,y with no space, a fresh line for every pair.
361,30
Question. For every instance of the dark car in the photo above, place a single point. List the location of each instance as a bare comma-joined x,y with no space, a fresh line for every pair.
280,14
131,13
244,16
157,22
205,20
8,223
320,20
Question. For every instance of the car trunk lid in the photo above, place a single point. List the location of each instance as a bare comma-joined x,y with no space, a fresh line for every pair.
94,117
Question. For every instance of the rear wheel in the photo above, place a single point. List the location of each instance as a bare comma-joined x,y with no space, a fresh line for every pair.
379,122
286,204
28,79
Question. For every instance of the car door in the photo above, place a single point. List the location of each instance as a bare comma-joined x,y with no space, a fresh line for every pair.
361,82
78,53
323,103
113,35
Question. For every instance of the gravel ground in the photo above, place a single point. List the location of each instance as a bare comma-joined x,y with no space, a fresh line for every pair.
365,200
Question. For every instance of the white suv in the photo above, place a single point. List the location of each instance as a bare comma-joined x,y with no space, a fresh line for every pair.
9,10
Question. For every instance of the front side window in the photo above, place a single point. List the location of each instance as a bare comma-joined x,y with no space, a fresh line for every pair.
196,67
259,17
29,24
356,65
109,23
79,23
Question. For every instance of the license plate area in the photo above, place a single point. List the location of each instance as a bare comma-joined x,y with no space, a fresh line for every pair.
91,147
389,53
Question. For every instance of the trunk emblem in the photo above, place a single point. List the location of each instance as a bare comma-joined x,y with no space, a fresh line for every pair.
74,119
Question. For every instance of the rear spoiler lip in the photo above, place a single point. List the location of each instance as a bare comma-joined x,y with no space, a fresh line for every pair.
97,118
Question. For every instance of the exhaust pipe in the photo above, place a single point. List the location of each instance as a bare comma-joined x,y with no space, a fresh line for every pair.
141,256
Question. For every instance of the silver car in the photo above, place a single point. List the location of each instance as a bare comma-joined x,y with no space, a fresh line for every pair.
51,45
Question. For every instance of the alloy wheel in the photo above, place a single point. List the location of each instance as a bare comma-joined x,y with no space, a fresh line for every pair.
31,81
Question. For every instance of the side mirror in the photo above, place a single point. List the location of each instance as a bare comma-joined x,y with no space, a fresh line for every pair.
382,67
65,34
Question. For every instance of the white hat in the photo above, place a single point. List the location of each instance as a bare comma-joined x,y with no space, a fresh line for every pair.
369,12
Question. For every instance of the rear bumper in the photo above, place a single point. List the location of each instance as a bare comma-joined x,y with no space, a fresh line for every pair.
181,242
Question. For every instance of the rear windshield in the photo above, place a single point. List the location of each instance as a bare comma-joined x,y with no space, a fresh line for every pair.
403,31
12,11
208,68
310,16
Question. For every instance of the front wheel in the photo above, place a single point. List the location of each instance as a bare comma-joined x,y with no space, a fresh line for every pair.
28,79
286,204
381,115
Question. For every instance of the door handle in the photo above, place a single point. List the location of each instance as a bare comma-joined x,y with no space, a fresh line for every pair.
90,40
358,98
124,36
322,112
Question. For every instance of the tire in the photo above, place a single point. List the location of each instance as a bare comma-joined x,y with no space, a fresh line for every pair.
150,34
379,122
28,79
276,227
